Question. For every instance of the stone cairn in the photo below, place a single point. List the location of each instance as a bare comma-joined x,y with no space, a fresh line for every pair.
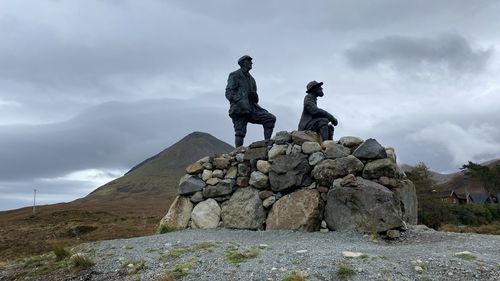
297,182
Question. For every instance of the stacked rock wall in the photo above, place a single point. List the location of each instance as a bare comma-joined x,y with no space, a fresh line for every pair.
296,182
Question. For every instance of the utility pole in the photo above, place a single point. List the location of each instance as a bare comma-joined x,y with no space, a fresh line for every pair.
34,200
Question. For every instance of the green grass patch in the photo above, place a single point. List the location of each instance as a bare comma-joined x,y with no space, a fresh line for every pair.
465,256
182,269
173,254
236,256
206,245
166,229
345,271
33,261
81,261
294,276
132,267
179,271
60,252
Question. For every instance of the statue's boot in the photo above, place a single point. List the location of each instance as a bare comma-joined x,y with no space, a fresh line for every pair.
331,129
238,141
324,132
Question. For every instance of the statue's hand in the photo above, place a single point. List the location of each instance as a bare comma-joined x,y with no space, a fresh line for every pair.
334,121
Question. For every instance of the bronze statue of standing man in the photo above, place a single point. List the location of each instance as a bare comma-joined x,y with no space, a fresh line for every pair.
314,118
241,91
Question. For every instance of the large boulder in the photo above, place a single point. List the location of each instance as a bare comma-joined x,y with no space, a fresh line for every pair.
299,210
370,149
380,168
259,180
263,166
257,153
364,207
282,137
206,214
190,184
334,151
408,199
243,210
243,170
277,150
310,147
391,154
195,168
316,157
288,171
349,141
178,214
231,173
328,170
299,137
221,163
223,187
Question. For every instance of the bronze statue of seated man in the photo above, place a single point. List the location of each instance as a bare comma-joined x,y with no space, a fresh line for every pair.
314,118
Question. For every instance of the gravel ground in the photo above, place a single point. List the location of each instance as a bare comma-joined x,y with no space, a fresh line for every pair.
420,254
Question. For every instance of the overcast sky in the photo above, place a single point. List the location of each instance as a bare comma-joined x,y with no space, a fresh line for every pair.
90,88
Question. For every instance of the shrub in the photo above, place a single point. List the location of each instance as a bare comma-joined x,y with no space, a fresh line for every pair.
493,228
174,253
206,245
60,252
235,256
134,266
345,271
166,229
465,255
81,261
180,271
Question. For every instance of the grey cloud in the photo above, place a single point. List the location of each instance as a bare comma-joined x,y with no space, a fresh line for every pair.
110,135
114,134
448,52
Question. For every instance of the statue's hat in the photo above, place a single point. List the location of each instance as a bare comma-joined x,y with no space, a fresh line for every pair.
313,84
245,57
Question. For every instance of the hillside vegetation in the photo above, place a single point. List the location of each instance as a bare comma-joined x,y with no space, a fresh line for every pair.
436,212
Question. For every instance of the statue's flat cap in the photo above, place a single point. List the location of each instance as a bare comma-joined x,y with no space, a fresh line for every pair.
245,57
313,84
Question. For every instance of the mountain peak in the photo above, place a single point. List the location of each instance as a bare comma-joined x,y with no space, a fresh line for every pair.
159,173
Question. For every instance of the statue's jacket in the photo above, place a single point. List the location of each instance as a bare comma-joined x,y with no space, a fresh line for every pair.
241,91
311,111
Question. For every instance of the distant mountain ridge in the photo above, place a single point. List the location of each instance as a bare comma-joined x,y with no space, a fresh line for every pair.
158,176
437,177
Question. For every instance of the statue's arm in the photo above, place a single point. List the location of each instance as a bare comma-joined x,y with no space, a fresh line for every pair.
311,107
232,88
253,96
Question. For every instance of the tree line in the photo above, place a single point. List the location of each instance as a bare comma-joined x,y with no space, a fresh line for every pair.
435,212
